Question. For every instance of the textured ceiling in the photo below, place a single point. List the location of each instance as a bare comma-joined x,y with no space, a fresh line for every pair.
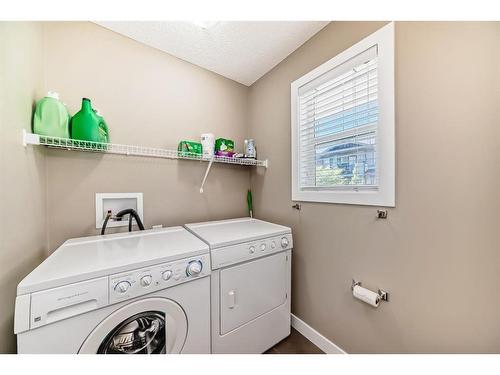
240,50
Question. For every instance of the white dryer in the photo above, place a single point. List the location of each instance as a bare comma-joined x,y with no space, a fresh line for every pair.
250,291
141,292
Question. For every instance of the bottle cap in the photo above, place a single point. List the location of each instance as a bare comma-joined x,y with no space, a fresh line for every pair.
53,94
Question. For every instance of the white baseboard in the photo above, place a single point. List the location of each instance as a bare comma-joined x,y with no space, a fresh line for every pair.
315,337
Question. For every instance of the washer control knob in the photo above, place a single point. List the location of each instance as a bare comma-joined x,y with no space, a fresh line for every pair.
251,249
122,287
166,275
194,268
146,280
263,247
284,242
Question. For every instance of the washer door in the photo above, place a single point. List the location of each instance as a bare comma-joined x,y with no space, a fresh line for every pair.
147,326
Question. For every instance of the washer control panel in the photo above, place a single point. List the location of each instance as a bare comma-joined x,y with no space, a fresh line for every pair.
225,256
131,284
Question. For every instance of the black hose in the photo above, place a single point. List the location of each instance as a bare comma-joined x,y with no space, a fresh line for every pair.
133,213
138,220
108,215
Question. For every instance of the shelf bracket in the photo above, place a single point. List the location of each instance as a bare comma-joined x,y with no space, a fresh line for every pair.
30,138
206,174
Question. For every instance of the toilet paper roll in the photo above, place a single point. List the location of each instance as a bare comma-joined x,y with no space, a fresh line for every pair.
366,295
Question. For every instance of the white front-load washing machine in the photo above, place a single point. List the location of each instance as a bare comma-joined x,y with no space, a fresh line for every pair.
250,283
142,292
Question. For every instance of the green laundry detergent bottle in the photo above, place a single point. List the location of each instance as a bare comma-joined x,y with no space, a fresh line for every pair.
51,118
87,125
103,125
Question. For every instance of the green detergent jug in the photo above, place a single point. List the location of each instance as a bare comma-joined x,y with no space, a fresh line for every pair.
87,125
51,117
103,126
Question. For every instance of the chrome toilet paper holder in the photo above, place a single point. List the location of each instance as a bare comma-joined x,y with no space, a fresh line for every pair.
383,294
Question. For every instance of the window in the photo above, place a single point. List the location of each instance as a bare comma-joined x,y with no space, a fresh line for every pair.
343,126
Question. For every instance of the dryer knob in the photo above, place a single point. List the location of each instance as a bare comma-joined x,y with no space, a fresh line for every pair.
146,280
194,268
284,242
166,275
122,287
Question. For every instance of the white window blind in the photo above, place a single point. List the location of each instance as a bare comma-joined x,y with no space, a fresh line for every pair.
342,120
338,114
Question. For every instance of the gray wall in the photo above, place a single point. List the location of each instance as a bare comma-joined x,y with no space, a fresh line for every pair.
23,241
438,251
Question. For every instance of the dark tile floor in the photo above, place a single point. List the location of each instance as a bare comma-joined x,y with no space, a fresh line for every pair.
294,344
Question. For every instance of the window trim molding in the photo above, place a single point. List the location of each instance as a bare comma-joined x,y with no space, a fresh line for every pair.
385,194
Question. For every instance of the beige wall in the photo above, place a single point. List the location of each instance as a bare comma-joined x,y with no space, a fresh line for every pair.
22,178
438,252
148,98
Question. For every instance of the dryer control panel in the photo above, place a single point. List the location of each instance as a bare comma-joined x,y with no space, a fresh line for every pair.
135,283
225,256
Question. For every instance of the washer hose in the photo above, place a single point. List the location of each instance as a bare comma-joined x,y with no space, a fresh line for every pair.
131,212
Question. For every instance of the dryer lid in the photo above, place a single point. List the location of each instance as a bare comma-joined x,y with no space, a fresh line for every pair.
90,257
229,232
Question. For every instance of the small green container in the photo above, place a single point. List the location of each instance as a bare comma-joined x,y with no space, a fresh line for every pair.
188,148
224,147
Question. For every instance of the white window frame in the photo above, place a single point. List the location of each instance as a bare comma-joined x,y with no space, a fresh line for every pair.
384,194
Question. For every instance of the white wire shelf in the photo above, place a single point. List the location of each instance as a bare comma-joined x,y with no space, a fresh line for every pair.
129,150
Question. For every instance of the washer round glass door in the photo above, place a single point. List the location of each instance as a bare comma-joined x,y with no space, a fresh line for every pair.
143,333
147,326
